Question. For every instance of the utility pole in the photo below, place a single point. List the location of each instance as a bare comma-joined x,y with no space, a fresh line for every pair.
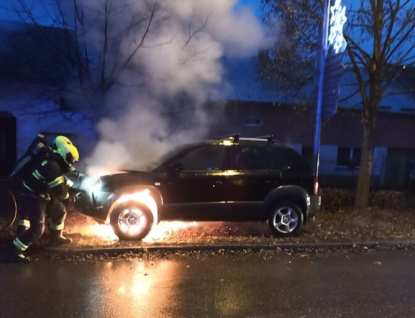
329,69
320,67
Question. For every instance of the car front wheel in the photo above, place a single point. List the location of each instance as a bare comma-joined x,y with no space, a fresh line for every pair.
285,219
131,221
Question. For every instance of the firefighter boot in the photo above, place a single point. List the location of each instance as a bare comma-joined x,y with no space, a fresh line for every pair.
57,239
14,255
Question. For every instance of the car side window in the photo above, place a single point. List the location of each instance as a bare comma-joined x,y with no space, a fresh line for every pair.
203,158
250,158
256,158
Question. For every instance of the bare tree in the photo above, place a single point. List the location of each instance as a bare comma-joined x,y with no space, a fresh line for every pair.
289,65
381,43
106,25
92,38
387,26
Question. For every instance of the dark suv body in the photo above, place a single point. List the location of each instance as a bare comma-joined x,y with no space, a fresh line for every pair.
229,179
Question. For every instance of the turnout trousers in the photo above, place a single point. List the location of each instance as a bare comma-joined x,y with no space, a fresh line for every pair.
33,209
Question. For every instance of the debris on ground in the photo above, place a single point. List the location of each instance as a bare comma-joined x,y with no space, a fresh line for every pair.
349,225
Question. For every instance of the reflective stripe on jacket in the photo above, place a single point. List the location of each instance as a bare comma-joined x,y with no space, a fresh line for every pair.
47,178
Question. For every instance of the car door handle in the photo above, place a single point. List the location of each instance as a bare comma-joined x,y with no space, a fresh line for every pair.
218,182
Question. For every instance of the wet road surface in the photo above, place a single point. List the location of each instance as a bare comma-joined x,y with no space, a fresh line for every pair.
328,284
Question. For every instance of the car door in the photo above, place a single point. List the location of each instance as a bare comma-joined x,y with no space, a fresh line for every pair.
257,171
195,185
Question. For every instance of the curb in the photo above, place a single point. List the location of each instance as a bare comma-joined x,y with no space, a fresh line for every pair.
253,248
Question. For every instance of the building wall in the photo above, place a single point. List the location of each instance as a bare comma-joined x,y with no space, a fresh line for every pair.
36,109
295,127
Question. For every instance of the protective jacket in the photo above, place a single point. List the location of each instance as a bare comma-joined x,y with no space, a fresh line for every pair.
46,179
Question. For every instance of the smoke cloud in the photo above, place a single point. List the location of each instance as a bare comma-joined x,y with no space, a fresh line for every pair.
163,59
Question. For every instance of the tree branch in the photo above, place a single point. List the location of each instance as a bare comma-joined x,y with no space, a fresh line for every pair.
191,35
153,12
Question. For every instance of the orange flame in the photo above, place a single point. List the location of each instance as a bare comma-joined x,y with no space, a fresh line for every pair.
165,230
159,232
103,231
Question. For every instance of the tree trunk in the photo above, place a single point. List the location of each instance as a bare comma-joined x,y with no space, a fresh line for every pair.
363,182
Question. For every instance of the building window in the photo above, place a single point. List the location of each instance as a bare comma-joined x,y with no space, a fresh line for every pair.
385,109
253,122
348,157
408,110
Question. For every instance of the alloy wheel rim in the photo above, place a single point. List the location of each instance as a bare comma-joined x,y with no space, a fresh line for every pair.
132,221
285,220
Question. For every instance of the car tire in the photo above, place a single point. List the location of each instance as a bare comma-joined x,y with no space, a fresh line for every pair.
285,219
131,221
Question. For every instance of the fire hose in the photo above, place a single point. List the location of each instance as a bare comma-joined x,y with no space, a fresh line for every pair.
8,211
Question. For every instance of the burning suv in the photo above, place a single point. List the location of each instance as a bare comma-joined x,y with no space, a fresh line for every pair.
227,179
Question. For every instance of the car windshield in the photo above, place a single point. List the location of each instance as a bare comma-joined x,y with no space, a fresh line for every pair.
159,164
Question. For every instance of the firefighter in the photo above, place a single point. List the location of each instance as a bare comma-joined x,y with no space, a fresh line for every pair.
42,182
55,210
37,151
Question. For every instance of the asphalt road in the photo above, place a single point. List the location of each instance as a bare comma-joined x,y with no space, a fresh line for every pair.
378,283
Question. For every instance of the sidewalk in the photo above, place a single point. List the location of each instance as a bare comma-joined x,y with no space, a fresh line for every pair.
73,250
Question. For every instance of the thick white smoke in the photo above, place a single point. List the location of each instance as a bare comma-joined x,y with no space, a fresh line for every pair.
165,60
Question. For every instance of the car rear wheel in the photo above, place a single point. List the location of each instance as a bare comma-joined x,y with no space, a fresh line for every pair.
285,219
131,221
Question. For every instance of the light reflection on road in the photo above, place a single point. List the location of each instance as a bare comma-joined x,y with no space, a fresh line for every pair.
254,285
134,289
230,297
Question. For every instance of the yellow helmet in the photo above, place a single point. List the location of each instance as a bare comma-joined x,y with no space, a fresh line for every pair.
66,149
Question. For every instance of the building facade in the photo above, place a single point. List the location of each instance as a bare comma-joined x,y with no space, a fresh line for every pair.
32,75
341,138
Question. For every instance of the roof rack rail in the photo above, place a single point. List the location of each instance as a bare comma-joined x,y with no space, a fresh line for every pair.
234,137
269,138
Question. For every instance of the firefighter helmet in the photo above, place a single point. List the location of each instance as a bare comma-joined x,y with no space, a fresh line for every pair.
66,149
